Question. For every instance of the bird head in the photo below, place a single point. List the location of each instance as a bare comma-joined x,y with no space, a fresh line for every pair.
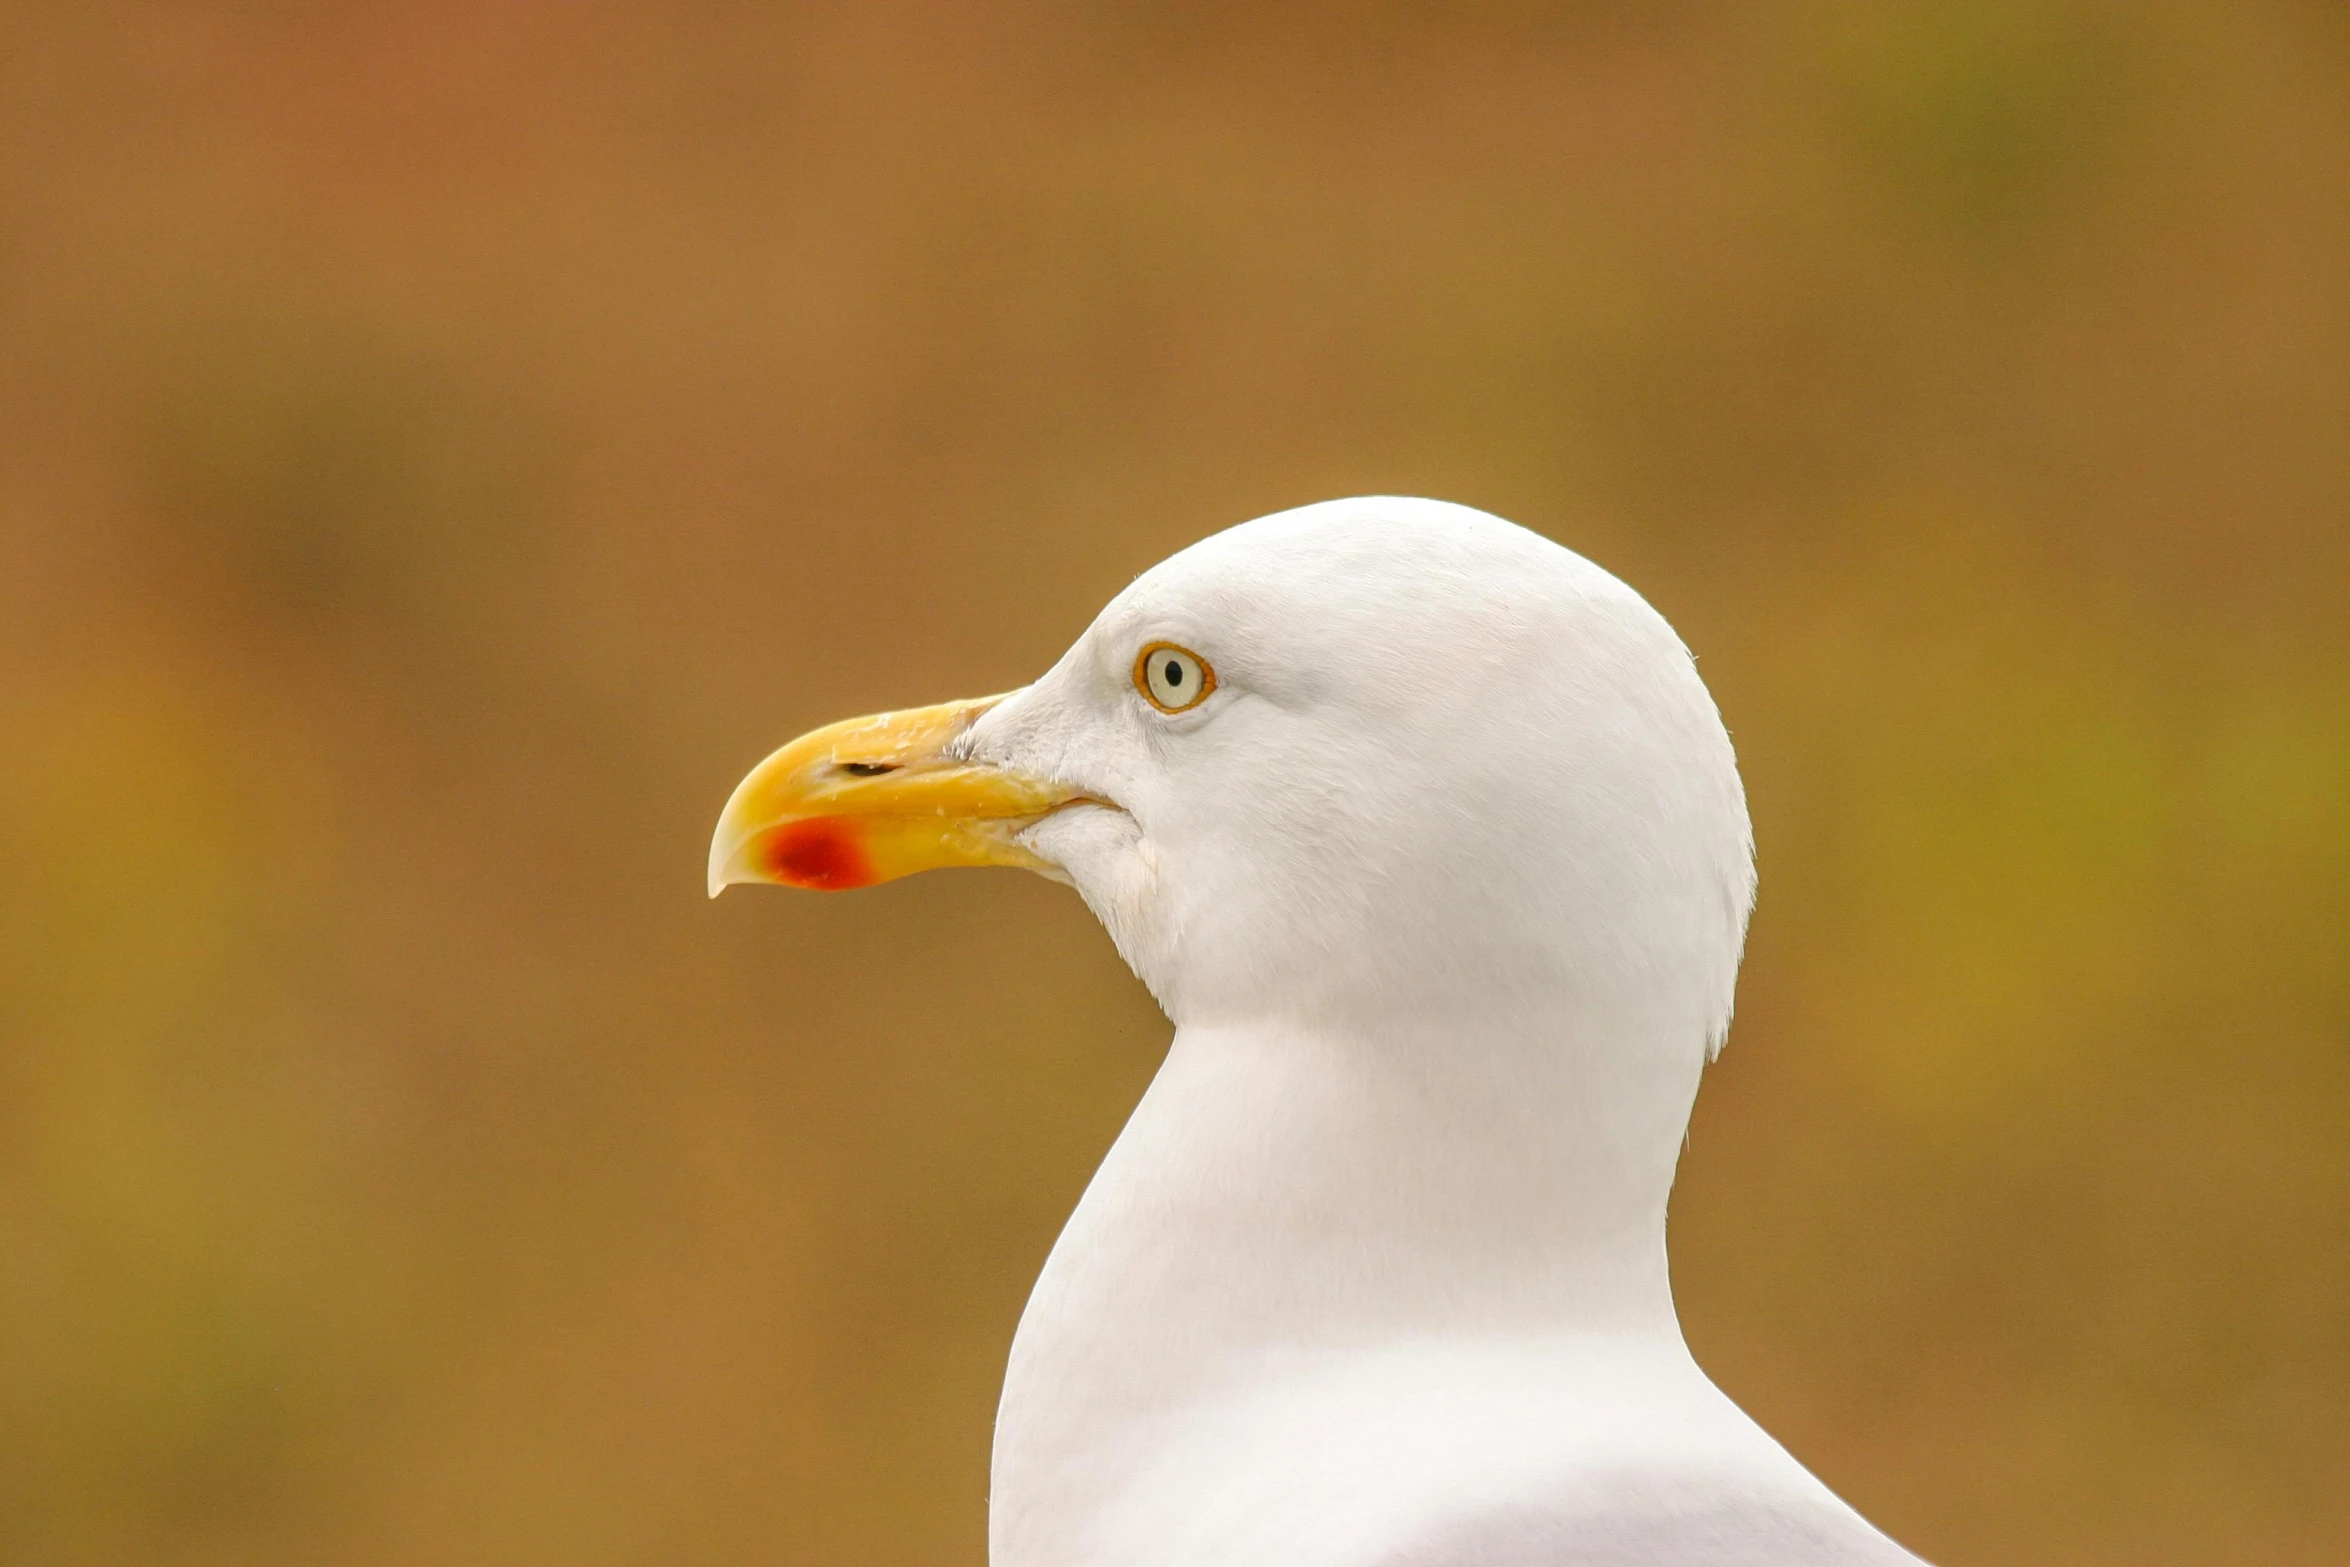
1363,760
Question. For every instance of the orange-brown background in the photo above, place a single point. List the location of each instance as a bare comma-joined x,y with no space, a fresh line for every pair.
442,445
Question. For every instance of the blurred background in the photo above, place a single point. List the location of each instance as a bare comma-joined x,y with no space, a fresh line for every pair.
443,445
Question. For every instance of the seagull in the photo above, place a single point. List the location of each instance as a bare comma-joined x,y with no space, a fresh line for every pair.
1427,837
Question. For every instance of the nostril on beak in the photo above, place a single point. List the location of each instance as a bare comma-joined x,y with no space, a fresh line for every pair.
868,769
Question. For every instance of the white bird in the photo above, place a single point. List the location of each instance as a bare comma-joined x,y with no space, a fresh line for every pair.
1428,838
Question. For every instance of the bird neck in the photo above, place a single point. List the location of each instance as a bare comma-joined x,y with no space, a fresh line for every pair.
1287,1191
1292,1208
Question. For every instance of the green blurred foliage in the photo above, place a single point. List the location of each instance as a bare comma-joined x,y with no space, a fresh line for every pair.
441,446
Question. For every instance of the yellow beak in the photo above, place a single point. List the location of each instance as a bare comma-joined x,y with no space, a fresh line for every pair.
872,799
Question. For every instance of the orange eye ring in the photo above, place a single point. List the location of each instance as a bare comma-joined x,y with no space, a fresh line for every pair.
1172,678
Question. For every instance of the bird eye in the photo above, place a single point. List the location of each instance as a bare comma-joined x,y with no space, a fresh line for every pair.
1175,679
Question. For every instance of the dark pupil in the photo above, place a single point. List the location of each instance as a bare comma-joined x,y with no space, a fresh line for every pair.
1174,673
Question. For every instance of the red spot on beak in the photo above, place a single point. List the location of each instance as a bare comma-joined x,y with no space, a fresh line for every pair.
821,852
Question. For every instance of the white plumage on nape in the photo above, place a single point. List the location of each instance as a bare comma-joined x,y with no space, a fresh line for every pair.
1426,835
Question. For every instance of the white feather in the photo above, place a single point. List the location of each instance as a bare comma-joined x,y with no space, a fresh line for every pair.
1444,888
